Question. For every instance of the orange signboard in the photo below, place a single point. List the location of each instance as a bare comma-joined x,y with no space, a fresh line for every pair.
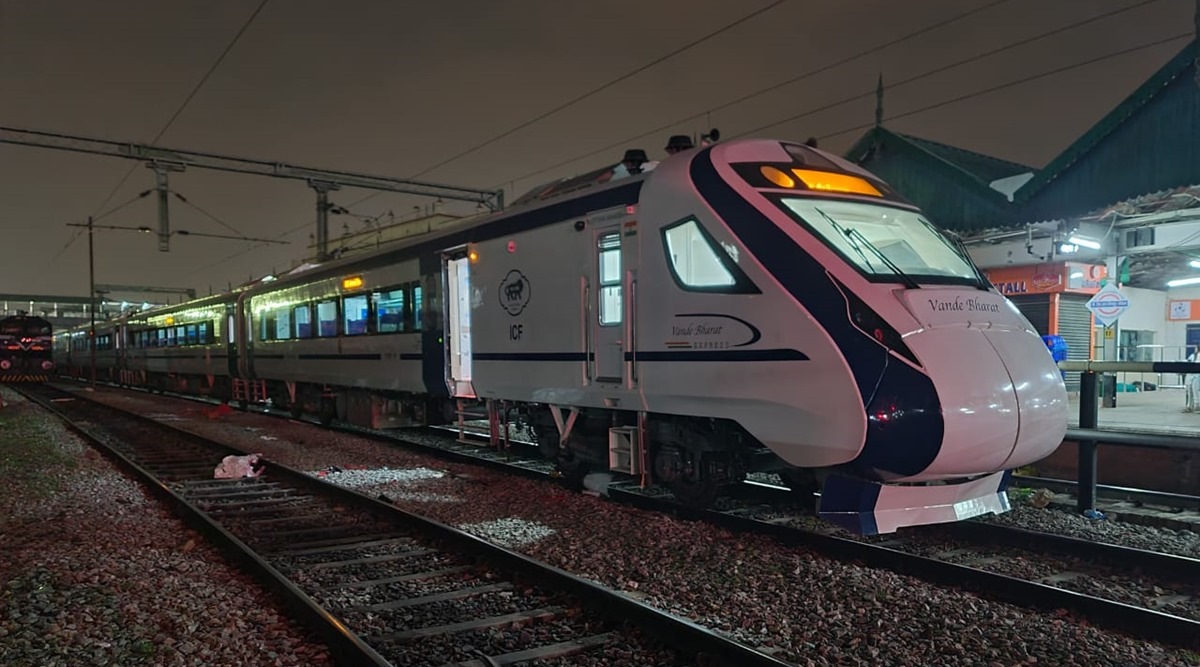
1050,278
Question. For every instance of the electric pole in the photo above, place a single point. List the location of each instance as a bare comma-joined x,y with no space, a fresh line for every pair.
92,301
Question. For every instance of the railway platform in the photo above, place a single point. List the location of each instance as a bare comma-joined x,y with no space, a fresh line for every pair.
1160,411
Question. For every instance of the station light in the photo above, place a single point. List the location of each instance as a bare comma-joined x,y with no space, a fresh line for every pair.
1180,282
1195,263
1087,243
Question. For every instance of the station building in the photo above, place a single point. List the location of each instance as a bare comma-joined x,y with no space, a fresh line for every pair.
1120,206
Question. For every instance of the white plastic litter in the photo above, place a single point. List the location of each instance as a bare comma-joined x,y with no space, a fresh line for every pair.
235,467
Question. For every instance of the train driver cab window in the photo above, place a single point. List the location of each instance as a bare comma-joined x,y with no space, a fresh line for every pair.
694,260
327,319
698,263
354,309
609,264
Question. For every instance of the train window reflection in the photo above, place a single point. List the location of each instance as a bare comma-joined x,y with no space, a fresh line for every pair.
861,232
694,259
389,311
355,309
327,319
303,316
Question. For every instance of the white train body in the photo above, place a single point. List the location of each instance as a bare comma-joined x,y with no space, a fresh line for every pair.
753,305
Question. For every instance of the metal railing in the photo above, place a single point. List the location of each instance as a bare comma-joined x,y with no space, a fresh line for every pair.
1089,436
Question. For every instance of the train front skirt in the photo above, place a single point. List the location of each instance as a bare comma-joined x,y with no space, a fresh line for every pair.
871,508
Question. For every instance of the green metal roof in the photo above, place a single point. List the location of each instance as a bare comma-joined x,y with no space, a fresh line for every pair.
1149,142
952,185
985,168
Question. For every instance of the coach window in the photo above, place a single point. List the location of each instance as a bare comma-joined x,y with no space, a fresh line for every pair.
699,264
266,325
354,314
327,319
202,331
389,310
416,306
193,337
610,279
303,317
283,323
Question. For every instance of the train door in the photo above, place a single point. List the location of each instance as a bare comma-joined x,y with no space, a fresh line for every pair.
458,325
230,340
608,308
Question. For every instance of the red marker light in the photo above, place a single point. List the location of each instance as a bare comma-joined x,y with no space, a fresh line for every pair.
512,246
879,335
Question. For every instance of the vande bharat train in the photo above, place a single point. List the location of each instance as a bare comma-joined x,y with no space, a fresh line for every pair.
753,305
26,349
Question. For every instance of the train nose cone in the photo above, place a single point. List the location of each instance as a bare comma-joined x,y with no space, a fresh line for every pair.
1002,397
1039,392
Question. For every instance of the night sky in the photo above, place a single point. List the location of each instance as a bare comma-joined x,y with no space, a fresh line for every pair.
394,88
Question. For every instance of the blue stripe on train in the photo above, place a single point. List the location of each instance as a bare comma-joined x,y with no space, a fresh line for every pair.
909,436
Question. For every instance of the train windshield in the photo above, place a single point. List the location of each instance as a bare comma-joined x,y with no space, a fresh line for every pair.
884,242
24,329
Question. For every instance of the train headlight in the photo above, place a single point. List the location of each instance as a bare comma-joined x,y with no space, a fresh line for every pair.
47,365
777,177
827,181
5,364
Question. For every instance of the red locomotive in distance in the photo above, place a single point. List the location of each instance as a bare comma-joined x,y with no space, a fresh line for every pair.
26,349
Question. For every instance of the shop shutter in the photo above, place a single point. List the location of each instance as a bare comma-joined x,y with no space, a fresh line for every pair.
1075,326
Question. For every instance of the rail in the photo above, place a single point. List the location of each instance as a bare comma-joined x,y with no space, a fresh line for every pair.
1089,436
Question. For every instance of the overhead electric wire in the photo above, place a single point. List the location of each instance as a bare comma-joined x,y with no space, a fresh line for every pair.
853,98
210,216
195,90
1010,84
79,232
606,86
580,98
856,56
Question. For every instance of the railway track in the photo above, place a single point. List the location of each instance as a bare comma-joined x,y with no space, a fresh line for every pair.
1146,594
1143,593
382,586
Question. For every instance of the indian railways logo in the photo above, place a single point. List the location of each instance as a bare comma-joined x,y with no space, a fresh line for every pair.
514,292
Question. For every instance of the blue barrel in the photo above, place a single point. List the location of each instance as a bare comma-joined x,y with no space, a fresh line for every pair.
1057,347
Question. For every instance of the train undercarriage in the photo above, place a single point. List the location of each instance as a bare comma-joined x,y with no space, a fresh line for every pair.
697,458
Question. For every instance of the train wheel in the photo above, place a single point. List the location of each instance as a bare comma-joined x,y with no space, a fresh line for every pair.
803,483
327,412
697,494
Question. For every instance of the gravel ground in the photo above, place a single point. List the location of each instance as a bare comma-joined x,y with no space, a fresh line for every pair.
803,607
138,588
1063,522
